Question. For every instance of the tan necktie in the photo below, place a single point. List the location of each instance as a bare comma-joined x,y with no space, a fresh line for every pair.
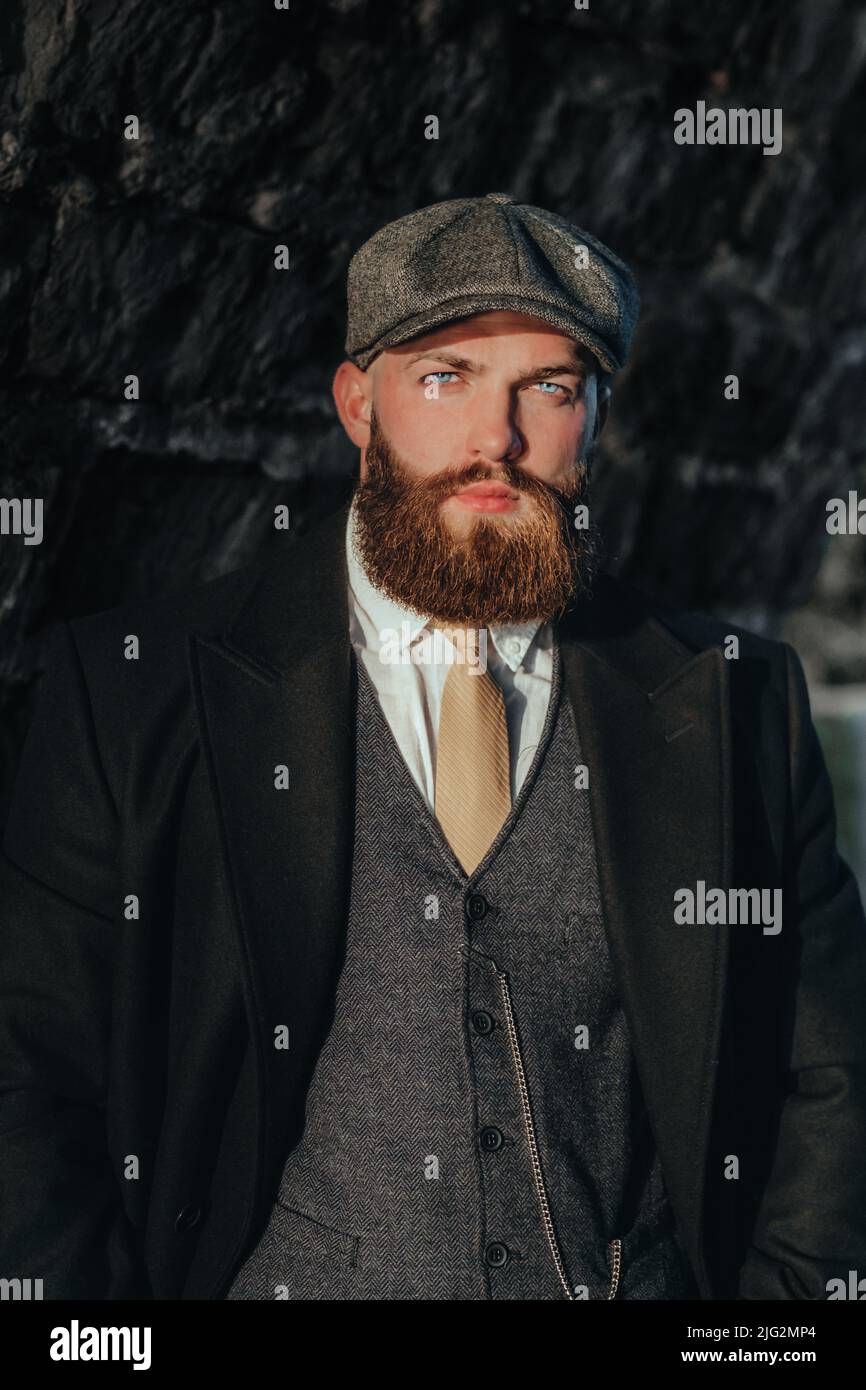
473,787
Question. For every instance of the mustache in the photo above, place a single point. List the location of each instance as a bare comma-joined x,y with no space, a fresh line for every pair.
447,481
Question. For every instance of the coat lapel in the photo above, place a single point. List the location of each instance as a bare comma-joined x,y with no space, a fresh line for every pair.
654,726
278,688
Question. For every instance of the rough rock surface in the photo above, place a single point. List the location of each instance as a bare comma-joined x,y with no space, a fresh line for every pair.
305,127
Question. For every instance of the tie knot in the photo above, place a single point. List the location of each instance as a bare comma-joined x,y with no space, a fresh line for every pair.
468,640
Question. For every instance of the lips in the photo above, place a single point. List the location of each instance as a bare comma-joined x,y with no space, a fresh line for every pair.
489,490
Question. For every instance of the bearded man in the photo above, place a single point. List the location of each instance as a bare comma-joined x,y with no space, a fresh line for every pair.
327,975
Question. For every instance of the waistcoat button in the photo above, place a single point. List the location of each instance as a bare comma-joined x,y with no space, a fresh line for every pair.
482,1022
476,907
187,1217
496,1254
491,1138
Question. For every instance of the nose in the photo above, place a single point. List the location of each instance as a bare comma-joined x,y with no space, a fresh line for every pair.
492,433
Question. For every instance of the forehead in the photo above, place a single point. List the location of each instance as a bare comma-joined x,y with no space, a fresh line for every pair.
497,328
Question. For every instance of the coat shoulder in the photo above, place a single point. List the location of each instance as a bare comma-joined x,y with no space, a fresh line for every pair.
165,621
697,631
135,687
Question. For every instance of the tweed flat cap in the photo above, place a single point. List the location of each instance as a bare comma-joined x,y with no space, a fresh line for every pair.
470,255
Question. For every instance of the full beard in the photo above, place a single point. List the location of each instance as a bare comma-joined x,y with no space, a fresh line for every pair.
508,570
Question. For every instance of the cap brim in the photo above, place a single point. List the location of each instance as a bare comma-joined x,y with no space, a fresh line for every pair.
467,305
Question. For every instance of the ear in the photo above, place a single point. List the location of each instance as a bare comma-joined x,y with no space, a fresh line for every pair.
352,390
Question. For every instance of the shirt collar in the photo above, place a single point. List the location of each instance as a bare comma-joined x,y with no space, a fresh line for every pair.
512,640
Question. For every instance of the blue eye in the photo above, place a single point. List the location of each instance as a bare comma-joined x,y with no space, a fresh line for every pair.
555,384
428,375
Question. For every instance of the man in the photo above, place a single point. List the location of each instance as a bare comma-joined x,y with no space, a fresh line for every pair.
343,944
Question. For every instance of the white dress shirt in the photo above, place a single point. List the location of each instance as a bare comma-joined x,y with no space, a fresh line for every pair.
519,657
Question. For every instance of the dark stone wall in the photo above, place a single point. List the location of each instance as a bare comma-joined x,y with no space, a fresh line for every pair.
306,127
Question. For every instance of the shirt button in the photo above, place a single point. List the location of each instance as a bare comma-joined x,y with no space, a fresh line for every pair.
482,1022
476,907
513,645
496,1254
491,1138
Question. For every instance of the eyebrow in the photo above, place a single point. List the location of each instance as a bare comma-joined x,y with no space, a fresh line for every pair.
574,367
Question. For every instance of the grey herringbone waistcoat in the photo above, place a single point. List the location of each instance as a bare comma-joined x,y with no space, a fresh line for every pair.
474,1126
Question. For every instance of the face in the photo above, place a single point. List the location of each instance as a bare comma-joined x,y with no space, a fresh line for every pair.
476,441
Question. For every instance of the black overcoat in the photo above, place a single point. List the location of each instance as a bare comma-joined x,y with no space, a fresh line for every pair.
166,909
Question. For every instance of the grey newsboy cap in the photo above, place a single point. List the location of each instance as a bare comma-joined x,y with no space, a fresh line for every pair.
470,255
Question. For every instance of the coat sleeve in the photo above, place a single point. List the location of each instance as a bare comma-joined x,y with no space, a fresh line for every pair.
61,1213
811,1224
